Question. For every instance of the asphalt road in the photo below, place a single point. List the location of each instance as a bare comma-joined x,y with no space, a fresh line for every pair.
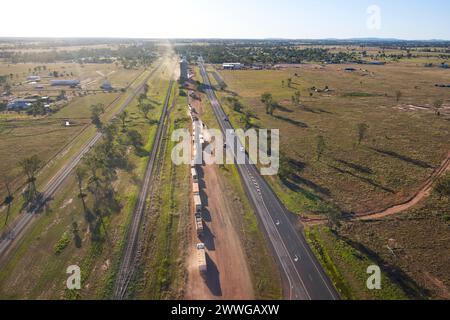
25,219
302,273
127,264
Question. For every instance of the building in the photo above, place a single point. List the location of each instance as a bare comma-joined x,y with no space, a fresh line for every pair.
33,78
65,83
232,66
106,85
184,69
20,104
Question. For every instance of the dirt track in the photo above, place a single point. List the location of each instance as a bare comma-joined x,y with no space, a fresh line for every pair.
424,191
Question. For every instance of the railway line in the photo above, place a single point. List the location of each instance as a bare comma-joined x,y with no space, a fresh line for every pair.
132,246
24,220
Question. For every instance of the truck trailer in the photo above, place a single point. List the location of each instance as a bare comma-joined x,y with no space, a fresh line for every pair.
199,226
197,203
195,189
201,260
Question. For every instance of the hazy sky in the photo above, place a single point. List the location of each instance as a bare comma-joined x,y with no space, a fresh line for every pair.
406,19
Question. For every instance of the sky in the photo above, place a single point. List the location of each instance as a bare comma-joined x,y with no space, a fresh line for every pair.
256,19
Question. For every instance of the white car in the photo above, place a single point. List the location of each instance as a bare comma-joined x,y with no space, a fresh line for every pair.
242,149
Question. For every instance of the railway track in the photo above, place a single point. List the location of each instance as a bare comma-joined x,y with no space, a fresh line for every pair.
23,221
132,247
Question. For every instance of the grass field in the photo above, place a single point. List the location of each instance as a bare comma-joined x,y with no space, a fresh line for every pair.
162,272
37,268
405,140
411,248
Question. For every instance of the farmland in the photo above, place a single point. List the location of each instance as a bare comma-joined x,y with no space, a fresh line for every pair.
64,235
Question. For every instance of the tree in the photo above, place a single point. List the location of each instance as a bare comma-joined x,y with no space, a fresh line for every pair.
123,116
9,198
146,88
80,174
267,99
320,146
135,139
362,132
145,109
142,98
285,171
334,219
442,188
296,98
96,112
30,166
282,83
398,95
289,81
437,105
248,119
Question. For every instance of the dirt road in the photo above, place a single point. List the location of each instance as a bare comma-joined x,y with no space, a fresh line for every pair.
228,272
424,192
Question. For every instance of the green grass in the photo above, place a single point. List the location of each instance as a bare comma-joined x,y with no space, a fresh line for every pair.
163,270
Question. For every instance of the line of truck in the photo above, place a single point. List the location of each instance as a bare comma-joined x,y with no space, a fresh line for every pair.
197,141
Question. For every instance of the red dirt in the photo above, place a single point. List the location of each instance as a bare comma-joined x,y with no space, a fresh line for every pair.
228,273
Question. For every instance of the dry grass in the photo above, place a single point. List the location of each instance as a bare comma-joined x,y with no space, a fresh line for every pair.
401,149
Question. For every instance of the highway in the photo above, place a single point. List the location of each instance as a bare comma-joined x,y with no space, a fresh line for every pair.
303,275
26,218
127,264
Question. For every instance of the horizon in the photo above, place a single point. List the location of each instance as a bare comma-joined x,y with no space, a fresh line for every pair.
259,20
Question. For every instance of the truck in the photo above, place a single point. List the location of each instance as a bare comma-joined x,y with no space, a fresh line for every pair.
201,260
199,226
197,203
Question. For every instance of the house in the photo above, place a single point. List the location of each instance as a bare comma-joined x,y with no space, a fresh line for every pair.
232,66
20,104
65,83
33,78
376,63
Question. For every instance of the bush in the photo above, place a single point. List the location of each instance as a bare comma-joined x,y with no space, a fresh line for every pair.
62,244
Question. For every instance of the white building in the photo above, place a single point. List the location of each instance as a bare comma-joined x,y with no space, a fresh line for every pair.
184,65
232,66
